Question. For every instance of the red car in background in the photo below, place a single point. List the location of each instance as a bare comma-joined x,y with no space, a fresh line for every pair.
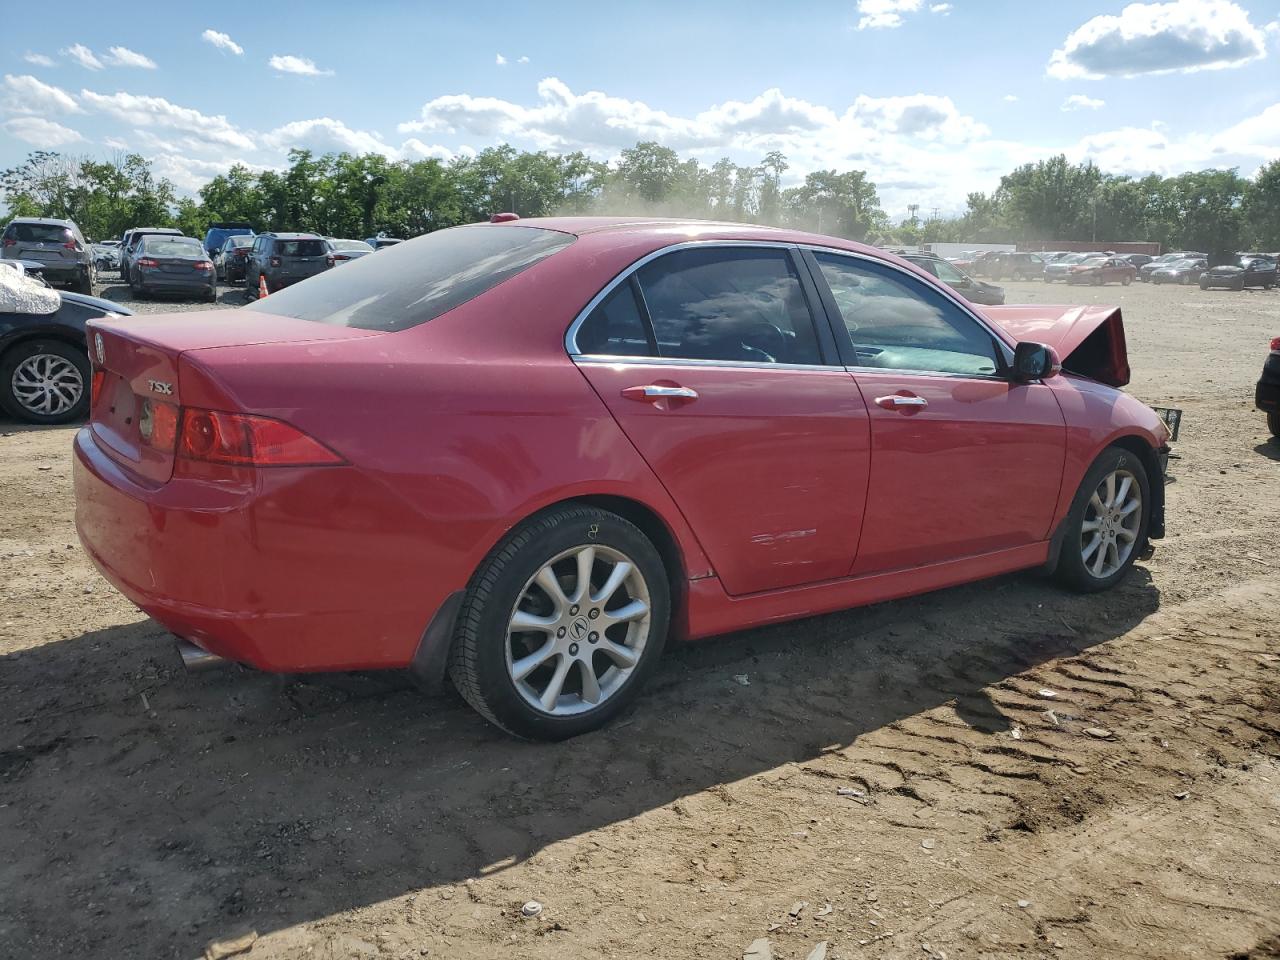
1100,270
526,454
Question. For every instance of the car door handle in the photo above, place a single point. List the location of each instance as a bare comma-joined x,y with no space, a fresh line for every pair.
653,391
895,400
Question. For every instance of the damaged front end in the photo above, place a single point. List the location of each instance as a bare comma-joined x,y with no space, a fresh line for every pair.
1090,340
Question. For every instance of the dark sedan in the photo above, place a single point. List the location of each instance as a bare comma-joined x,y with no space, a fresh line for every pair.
1179,271
172,265
1244,272
44,368
232,257
1267,396
975,291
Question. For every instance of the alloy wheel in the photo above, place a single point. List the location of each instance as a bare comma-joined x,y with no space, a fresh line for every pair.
47,384
578,630
1112,519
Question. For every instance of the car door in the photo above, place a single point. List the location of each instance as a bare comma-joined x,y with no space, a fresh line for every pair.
710,359
964,460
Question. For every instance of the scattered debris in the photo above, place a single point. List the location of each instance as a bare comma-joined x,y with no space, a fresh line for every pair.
531,909
1181,796
824,912
1052,718
929,843
1045,693
1101,733
1024,904
742,680
218,949
1015,732
797,908
760,949
819,952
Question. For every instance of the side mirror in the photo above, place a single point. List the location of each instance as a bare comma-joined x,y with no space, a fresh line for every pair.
1034,361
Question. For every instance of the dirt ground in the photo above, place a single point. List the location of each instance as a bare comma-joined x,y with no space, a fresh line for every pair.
1035,773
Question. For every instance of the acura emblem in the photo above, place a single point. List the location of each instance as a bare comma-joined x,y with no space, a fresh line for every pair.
97,348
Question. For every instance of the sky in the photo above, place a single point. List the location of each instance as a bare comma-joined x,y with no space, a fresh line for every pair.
933,99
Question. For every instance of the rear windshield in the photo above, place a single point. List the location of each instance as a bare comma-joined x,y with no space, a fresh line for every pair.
240,241
351,245
416,281
301,248
166,247
38,233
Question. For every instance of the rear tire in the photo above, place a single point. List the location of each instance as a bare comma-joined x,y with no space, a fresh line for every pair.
573,636
1273,423
26,364
1093,517
84,283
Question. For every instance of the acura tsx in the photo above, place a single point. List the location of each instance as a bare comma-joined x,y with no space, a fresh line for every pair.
526,454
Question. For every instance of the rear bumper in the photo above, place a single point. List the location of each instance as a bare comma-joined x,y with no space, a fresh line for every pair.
284,573
1267,394
159,283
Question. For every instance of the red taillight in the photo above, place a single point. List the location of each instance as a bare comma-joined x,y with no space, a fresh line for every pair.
95,387
239,439
147,262
158,424
330,260
1275,343
204,266
242,251
70,245
275,261
10,242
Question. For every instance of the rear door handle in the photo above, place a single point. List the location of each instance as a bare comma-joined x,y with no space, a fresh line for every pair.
896,400
653,391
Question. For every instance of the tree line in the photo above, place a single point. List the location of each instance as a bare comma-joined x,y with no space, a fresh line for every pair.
345,195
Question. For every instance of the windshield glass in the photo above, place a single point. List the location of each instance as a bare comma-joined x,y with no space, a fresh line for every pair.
416,281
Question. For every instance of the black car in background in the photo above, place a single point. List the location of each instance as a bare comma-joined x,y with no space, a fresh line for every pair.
172,265
1138,260
44,366
1247,271
230,260
1267,395
282,259
975,291
129,243
1165,259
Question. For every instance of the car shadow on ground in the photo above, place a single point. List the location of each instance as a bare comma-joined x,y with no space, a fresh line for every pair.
199,805
1269,448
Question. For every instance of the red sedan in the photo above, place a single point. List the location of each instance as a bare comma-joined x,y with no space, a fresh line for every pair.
527,454
1100,270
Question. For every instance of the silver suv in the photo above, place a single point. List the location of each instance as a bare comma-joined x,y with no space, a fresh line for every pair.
58,244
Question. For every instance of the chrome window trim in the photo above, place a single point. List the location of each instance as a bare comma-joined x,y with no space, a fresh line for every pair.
571,335
941,288
609,360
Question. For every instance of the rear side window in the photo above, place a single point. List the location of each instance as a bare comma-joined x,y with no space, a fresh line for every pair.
301,248
738,304
417,281
616,328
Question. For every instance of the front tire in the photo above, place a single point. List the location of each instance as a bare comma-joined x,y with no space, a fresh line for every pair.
45,382
1106,527
562,624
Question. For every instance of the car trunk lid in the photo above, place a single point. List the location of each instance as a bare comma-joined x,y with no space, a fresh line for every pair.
139,379
1090,340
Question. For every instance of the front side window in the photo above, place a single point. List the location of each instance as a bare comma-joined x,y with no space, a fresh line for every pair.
896,322
736,304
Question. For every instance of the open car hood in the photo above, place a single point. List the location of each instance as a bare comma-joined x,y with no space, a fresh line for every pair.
1090,340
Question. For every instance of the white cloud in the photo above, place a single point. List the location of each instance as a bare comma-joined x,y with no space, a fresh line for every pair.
1078,101
1152,38
142,111
124,57
1010,98
1257,136
26,94
942,8
222,41
500,60
523,60
326,134
415,149
40,132
39,59
300,65
83,56
881,14
115,143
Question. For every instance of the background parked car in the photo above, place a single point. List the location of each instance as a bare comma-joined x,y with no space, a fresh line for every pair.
1179,271
129,243
1011,265
44,370
58,244
975,291
1139,260
1267,396
1100,270
233,257
344,251
284,259
1247,271
218,233
172,265
1058,269
381,243
106,256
